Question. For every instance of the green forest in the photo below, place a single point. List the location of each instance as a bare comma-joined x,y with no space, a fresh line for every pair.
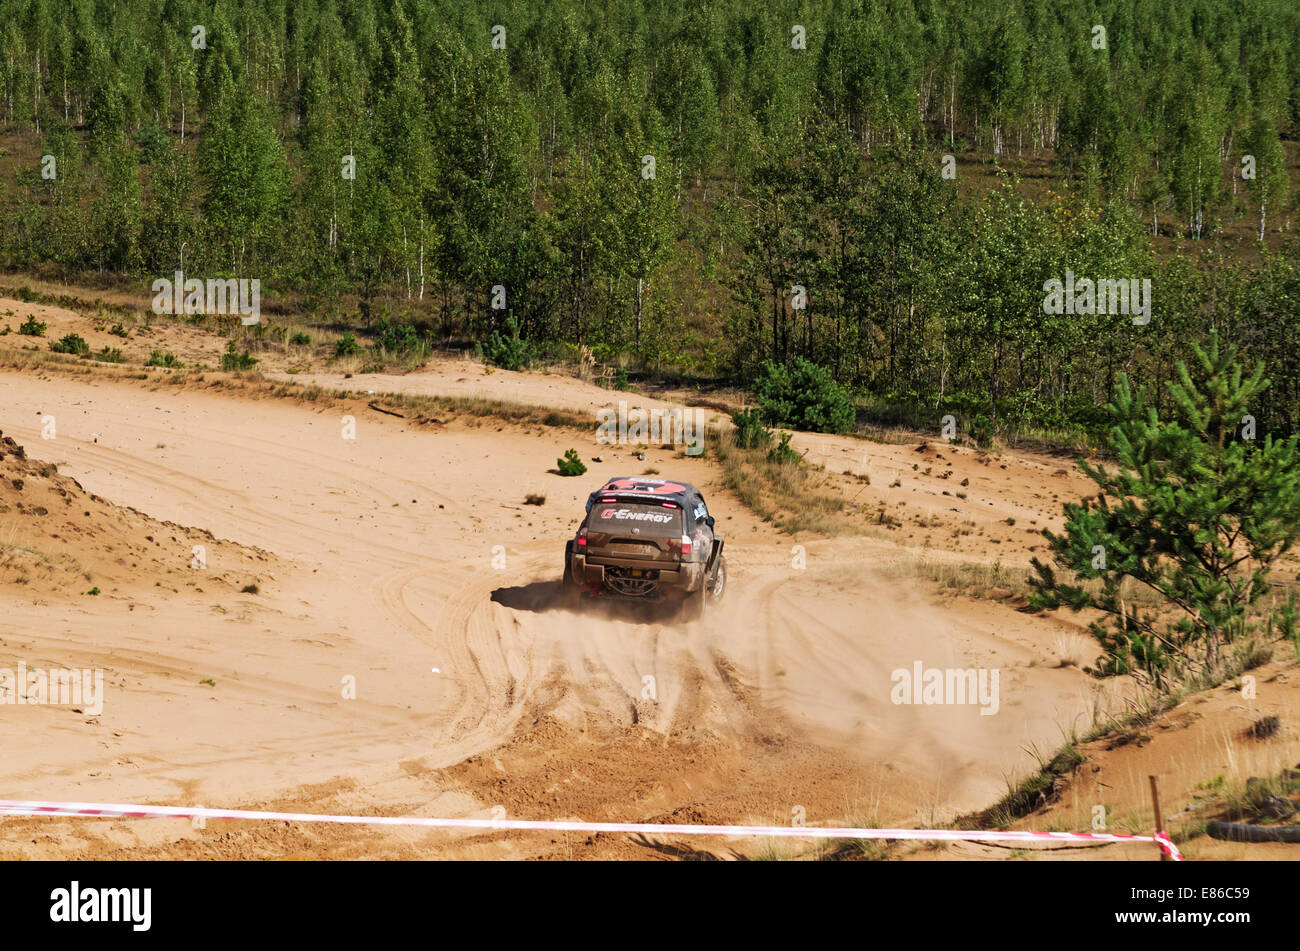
880,187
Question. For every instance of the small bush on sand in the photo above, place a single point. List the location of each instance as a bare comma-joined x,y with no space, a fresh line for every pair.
73,344
234,360
750,431
804,396
346,346
160,359
571,465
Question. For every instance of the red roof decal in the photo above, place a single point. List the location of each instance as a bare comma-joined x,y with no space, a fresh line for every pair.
647,486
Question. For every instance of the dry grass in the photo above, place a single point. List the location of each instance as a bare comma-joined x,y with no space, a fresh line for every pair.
975,579
792,495
998,582
1246,801
107,301
1074,650
20,563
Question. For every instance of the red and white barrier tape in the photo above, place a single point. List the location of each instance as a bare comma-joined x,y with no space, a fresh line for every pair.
126,811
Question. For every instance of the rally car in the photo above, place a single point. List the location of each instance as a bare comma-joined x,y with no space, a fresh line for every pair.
650,540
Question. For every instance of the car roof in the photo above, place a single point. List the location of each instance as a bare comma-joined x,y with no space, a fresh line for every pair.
650,488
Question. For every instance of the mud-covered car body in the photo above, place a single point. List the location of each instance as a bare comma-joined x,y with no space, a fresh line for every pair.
650,539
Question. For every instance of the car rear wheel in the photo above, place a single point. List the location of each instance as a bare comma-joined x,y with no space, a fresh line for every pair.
697,603
719,581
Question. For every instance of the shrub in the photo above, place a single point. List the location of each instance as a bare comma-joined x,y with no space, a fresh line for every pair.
346,346
571,465
620,379
300,339
108,355
804,396
397,338
160,359
782,452
233,360
510,352
119,331
73,344
981,431
1189,512
32,327
750,431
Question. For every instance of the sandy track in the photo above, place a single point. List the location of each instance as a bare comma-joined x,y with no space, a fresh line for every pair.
385,571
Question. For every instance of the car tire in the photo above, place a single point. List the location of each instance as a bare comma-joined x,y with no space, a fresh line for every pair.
719,586
696,604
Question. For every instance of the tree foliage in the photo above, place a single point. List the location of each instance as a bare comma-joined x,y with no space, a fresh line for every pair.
1196,509
358,156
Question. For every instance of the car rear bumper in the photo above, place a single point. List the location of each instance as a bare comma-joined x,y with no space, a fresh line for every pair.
674,581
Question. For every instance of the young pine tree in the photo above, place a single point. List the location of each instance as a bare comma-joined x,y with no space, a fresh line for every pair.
1197,510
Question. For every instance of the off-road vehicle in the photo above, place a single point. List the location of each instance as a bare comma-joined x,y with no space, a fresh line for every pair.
648,539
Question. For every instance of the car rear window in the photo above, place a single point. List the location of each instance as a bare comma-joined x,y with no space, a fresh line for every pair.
633,518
